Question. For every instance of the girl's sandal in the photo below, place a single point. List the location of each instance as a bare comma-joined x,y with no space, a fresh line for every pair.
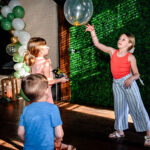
147,141
116,135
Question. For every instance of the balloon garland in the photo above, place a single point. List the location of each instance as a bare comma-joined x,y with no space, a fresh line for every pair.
11,15
11,20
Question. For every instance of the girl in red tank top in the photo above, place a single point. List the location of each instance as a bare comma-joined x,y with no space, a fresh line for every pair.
126,93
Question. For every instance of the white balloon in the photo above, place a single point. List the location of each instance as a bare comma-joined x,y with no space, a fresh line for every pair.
21,72
26,74
16,33
5,10
24,37
13,3
22,50
18,66
18,24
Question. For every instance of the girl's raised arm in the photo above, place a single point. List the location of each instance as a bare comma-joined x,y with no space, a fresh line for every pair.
99,45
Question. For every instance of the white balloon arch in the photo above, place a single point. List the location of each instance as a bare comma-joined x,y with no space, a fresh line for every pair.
13,22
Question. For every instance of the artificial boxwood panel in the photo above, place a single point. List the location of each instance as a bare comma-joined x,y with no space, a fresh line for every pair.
91,79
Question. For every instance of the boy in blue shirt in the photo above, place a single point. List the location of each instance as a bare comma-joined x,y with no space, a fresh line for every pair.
40,123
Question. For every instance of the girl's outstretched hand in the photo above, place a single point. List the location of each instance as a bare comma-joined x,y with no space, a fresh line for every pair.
89,28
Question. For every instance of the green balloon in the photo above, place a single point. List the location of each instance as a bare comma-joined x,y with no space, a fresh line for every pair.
10,16
16,75
6,24
26,68
17,45
1,17
17,58
18,12
24,96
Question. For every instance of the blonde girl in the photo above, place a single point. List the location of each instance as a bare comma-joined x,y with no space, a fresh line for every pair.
127,98
36,58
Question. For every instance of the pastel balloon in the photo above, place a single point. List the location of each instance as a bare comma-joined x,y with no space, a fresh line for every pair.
17,58
18,24
21,72
26,68
16,74
22,50
5,10
18,66
16,33
24,37
26,74
13,3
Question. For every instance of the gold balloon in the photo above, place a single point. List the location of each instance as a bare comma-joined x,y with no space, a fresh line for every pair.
14,39
11,31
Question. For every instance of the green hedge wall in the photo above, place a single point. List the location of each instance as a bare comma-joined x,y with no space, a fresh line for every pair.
91,79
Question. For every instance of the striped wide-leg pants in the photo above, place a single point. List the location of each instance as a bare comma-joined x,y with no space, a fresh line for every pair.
128,100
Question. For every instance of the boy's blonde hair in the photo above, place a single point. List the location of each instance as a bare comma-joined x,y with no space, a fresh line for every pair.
34,86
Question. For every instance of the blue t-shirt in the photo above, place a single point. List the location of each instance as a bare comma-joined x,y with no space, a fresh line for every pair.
39,120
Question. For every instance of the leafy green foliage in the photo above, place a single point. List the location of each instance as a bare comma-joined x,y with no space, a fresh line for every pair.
91,79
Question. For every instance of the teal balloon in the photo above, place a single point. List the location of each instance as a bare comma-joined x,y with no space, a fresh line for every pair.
16,75
1,17
18,12
24,96
6,24
10,16
78,12
17,58
26,68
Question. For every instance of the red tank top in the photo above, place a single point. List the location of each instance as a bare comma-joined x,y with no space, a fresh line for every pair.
120,66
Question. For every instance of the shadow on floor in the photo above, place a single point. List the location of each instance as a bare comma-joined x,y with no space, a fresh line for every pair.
84,129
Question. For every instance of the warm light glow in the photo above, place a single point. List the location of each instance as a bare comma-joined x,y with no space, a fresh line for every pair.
8,145
76,23
9,91
105,113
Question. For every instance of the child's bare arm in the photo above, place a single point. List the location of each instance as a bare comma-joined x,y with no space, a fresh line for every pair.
99,45
134,69
59,133
49,76
21,132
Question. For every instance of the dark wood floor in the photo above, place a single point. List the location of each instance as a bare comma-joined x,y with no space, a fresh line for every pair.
83,127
